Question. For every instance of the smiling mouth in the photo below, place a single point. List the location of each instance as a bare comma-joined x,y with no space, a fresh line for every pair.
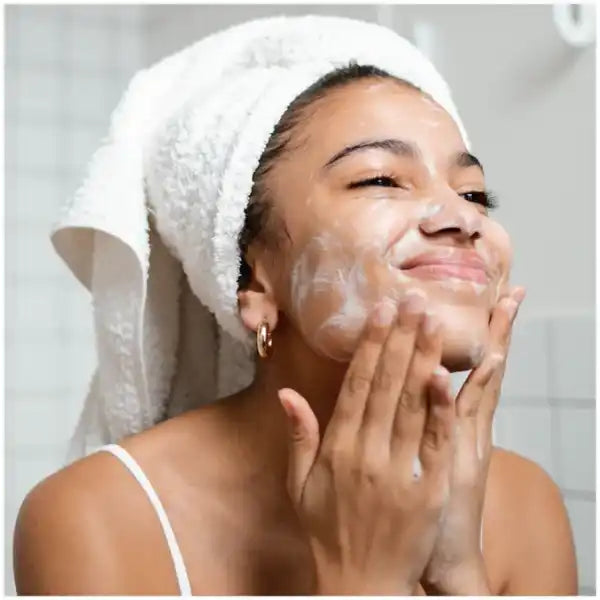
446,263
444,271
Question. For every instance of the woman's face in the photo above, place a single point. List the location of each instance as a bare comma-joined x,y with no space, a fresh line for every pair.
413,227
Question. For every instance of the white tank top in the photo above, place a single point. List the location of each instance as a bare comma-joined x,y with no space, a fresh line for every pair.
180,570
135,469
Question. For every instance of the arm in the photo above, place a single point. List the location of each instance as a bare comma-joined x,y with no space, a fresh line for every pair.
542,561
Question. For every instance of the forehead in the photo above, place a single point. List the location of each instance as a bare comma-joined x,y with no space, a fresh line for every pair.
381,108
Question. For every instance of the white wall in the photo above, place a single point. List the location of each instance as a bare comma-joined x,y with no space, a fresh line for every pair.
527,100
65,70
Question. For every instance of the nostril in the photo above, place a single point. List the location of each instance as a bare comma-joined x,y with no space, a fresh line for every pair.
449,230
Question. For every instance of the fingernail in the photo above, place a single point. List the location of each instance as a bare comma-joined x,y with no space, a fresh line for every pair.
432,323
414,301
511,306
441,371
518,295
287,406
384,314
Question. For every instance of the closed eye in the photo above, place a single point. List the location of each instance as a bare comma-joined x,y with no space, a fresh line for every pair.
379,181
486,199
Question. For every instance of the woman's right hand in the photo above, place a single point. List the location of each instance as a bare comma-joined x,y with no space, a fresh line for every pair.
370,518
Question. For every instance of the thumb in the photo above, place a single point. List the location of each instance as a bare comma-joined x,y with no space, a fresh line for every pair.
303,430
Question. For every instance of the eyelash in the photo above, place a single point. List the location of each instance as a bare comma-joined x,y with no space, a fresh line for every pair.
487,198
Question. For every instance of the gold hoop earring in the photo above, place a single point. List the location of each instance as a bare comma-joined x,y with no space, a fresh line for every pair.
264,342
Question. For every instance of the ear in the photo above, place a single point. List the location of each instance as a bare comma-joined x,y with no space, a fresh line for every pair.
256,302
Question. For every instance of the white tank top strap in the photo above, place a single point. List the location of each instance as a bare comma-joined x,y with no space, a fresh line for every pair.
136,471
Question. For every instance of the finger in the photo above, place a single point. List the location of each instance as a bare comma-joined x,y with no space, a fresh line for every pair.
477,389
348,410
500,344
435,451
500,336
303,428
411,408
390,374
472,390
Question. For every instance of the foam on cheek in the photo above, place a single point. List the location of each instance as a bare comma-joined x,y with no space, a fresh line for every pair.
492,259
323,267
404,248
381,223
352,314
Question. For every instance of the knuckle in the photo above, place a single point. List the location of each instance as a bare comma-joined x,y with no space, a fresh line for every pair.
383,379
338,456
359,382
436,436
345,412
372,467
410,401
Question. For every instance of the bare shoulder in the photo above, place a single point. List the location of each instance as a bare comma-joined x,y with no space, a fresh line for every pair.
89,529
63,532
527,512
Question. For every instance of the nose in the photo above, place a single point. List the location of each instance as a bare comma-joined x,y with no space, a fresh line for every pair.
451,218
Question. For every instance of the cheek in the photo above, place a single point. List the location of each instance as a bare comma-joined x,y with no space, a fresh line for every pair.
333,287
501,249
342,272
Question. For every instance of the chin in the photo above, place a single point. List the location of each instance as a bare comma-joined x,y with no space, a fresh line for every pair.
465,337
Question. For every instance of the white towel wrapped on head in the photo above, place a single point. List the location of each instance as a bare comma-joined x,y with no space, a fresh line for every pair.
167,191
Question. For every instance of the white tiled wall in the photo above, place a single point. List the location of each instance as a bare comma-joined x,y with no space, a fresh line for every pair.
548,413
66,67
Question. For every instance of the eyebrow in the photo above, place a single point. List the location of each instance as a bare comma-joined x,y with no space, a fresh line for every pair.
397,147
465,159
401,148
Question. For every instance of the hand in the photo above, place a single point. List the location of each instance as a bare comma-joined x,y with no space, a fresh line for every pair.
456,565
370,522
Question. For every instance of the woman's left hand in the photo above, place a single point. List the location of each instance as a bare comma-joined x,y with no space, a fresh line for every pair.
456,565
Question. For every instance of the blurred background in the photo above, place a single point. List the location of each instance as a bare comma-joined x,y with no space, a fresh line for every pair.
525,89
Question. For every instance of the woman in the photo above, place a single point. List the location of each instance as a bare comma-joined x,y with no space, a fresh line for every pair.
371,268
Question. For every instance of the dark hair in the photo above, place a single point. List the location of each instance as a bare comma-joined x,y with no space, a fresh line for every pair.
258,225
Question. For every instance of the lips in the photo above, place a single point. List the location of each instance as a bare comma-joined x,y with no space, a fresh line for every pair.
444,263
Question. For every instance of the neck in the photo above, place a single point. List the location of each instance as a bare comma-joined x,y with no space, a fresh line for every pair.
294,365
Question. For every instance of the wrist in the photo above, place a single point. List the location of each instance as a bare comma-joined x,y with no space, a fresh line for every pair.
356,586
459,581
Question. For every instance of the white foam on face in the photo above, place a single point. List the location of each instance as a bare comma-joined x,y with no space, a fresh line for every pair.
430,165
429,210
452,283
478,288
323,266
381,218
433,123
432,104
404,248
